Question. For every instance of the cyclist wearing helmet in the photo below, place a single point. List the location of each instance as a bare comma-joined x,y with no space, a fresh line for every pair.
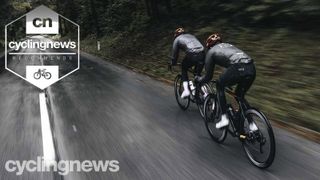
194,56
239,70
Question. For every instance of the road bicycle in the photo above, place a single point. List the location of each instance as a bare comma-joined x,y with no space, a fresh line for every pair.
42,72
197,94
259,145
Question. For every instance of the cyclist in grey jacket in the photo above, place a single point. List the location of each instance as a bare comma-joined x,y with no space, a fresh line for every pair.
194,56
240,70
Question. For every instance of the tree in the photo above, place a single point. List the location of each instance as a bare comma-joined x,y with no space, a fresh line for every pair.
152,7
95,18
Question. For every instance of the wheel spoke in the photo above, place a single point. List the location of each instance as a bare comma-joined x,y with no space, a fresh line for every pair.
183,103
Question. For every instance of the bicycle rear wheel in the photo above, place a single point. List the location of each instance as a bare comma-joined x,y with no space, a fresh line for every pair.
178,89
47,75
259,145
212,115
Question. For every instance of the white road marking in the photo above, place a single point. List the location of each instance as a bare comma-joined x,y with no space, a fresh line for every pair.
47,138
74,128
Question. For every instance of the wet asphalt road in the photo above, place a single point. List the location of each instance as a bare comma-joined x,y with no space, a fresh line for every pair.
106,112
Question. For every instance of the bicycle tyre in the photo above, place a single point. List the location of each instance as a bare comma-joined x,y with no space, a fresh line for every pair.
200,96
47,75
272,149
218,135
36,75
178,91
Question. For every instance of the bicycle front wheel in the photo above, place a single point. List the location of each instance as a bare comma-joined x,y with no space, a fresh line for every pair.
259,145
212,115
178,89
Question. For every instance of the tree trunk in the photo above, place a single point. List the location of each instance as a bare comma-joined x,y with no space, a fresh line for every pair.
168,5
148,6
155,9
95,18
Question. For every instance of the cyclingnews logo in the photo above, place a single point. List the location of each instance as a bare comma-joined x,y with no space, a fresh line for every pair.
63,167
42,47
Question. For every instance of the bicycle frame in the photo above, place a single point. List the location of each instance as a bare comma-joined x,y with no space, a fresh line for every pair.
237,128
252,140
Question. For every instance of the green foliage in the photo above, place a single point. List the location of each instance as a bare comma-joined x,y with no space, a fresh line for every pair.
20,6
287,84
120,15
16,8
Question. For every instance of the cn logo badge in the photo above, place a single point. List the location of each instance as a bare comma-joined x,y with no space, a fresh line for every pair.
42,47
42,21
